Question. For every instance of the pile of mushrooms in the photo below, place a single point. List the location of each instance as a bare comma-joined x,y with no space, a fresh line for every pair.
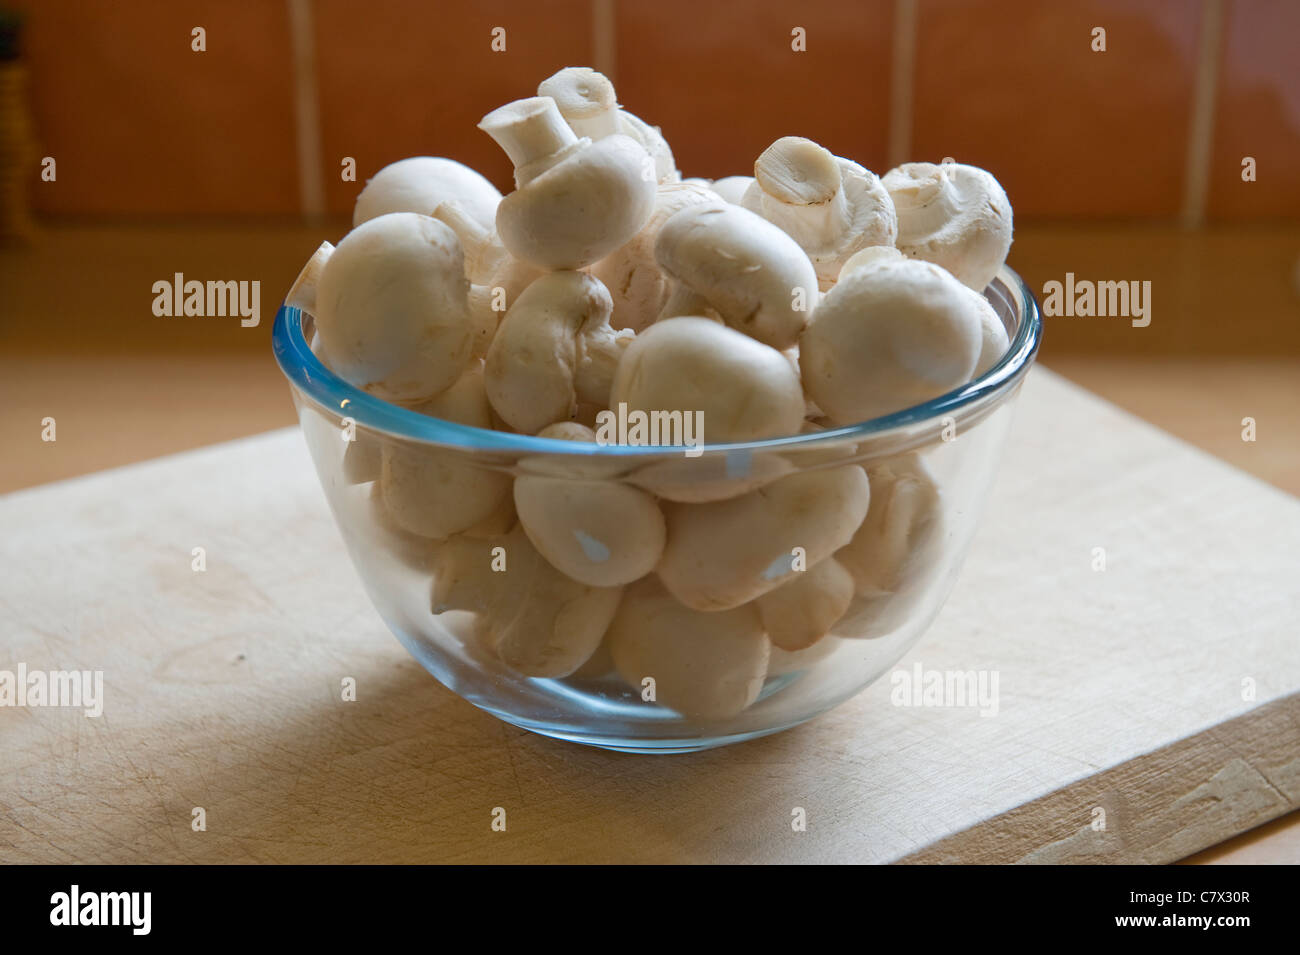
812,295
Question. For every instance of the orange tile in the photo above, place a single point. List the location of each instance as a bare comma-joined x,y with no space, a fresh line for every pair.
405,78
1258,112
139,124
1014,86
722,80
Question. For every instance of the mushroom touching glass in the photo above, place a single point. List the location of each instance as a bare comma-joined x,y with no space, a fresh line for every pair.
701,502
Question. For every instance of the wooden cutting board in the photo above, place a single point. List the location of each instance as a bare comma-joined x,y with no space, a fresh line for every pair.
1145,711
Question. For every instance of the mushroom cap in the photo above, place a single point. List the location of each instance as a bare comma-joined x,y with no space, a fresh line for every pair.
903,521
635,281
831,206
994,340
302,294
651,139
421,184
753,274
538,622
601,533
745,390
954,215
732,188
887,337
897,551
725,553
598,531
705,666
799,613
582,208
553,350
392,307
871,255
437,492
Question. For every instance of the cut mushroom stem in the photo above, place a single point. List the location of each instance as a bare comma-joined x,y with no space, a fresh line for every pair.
576,200
832,207
484,252
586,100
533,134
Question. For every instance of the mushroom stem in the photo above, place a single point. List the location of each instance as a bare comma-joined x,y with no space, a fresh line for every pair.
586,100
533,134
483,250
802,191
926,196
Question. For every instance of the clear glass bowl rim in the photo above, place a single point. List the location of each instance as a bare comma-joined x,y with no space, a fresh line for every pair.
309,375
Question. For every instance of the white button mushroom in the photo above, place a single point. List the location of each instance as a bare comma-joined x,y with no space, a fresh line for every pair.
831,206
651,139
953,215
489,302
483,250
744,390
751,272
421,184
602,533
537,621
994,341
871,255
725,553
437,492
793,661
576,200
302,294
635,281
706,666
586,100
799,613
732,189
385,536
887,337
895,547
392,307
553,351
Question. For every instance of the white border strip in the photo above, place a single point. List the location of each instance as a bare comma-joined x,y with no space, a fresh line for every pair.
311,183
1200,136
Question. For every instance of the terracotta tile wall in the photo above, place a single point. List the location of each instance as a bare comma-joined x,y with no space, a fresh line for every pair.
138,123
141,125
1258,112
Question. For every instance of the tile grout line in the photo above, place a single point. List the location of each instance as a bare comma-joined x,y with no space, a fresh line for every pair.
604,39
306,102
902,75
1200,136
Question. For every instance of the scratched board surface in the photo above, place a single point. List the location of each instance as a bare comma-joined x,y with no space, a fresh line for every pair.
1144,711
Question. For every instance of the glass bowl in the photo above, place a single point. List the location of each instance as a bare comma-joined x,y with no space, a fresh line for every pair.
630,667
